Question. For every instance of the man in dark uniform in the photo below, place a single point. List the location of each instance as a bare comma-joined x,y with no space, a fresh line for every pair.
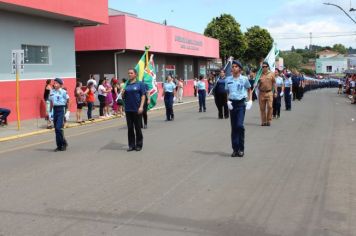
220,96
59,99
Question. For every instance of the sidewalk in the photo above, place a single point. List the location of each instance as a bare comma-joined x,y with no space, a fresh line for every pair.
38,126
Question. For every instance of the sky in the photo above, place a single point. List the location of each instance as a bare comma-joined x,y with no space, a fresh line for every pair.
290,22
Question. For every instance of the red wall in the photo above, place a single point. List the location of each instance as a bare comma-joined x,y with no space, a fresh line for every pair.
127,32
94,10
31,97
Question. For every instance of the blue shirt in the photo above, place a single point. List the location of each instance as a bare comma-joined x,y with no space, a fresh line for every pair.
295,80
132,96
237,87
58,97
279,81
288,82
169,87
201,85
220,86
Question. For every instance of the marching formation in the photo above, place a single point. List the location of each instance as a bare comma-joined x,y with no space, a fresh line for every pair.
233,91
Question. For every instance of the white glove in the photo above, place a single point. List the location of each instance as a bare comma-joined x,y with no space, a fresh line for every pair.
281,94
249,105
174,99
67,115
229,105
291,93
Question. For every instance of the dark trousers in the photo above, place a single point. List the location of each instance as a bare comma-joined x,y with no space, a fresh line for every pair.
300,93
102,104
202,95
4,114
134,134
58,121
277,103
295,91
195,91
287,98
168,102
90,109
237,117
144,114
221,104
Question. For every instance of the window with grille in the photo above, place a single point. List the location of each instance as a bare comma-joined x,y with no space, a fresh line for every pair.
36,54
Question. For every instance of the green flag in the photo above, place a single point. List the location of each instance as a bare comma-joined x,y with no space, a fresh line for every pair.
149,78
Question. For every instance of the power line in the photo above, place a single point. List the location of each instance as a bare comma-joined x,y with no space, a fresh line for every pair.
321,36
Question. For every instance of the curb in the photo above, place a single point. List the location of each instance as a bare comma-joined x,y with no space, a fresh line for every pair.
43,131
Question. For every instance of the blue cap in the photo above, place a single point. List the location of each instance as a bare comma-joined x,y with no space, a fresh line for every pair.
237,62
58,80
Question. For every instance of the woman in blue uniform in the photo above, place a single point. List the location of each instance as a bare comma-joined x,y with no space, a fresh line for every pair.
280,92
59,99
201,93
134,98
288,92
169,94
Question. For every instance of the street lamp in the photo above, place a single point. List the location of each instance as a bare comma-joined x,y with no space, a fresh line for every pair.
331,4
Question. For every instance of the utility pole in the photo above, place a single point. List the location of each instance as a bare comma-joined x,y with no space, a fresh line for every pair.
331,4
311,40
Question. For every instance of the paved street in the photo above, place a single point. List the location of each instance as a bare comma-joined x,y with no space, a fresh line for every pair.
298,176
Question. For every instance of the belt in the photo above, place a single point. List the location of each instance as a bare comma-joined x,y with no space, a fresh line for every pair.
267,91
242,100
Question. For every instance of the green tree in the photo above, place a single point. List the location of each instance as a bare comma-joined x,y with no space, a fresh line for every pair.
259,43
340,48
227,30
292,60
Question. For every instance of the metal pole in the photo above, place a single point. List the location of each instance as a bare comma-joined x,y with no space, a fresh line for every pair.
18,95
331,4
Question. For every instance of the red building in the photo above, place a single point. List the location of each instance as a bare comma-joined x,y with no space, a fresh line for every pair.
110,50
44,30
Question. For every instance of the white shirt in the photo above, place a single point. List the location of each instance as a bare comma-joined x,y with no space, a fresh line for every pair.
102,90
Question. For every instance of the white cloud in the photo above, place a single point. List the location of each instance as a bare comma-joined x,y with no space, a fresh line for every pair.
297,18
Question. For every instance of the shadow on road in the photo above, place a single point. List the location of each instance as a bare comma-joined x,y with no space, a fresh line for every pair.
222,154
114,146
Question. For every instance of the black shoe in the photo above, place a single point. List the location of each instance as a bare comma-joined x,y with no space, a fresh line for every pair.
172,118
240,153
220,117
199,110
130,149
59,149
204,110
226,117
167,120
234,154
138,149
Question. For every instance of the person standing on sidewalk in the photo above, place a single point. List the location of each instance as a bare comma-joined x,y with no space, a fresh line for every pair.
220,96
238,89
268,90
59,98
47,91
90,99
201,93
169,94
134,96
180,90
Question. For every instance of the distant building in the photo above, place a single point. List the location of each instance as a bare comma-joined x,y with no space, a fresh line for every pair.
332,64
327,53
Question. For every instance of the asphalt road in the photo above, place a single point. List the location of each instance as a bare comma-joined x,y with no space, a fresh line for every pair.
298,177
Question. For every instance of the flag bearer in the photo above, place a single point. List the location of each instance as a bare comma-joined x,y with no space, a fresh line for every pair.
59,99
238,89
134,96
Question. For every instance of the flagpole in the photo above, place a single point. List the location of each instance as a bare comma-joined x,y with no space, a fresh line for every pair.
228,61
